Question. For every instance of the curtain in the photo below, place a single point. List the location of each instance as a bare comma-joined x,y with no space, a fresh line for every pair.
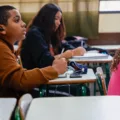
83,19
81,16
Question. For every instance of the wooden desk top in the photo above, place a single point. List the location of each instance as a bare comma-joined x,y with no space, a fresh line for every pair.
86,78
106,60
75,108
7,106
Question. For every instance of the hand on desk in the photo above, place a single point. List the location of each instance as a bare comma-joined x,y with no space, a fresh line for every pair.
60,65
67,54
79,51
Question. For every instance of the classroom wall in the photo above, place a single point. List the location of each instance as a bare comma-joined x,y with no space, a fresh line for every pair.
109,24
109,30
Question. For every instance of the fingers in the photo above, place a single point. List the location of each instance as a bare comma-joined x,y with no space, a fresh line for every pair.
60,65
79,51
67,54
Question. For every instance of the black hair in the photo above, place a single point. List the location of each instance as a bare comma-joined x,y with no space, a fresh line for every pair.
45,17
4,14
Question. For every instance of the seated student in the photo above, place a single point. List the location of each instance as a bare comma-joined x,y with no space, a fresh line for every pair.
43,42
13,78
114,84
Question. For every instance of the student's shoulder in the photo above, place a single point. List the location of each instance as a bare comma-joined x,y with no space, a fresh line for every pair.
34,34
3,46
35,31
4,49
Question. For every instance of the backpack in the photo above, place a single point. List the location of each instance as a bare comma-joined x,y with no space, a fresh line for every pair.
77,41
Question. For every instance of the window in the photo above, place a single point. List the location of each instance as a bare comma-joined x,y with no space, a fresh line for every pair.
109,6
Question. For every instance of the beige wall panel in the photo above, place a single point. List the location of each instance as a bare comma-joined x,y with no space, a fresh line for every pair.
8,1
29,7
109,23
35,0
66,6
16,5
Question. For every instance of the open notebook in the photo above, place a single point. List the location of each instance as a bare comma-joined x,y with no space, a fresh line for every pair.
90,55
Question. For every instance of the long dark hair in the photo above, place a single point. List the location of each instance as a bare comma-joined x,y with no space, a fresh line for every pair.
45,19
116,60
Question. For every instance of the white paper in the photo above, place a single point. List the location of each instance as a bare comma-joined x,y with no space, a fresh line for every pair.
90,55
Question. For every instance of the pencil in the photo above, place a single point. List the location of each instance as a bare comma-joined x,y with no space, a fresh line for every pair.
62,51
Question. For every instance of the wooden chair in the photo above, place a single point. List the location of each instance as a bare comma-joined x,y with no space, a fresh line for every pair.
23,105
101,81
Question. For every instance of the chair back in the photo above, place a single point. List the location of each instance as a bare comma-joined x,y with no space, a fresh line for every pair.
23,104
100,74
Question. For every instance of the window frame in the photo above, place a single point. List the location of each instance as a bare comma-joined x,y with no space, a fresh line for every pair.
109,11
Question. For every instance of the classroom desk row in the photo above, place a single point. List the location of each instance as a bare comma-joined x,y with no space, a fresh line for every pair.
75,108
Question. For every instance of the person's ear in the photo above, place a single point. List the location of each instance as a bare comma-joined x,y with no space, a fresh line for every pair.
2,29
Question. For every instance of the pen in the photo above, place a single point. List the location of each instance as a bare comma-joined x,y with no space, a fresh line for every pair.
62,51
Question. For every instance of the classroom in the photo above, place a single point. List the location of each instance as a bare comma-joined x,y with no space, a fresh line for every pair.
60,59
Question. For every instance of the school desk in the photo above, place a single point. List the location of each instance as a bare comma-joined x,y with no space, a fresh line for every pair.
75,108
90,77
7,106
105,62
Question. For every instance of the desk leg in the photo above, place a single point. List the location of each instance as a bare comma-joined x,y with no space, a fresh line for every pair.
82,90
107,69
42,91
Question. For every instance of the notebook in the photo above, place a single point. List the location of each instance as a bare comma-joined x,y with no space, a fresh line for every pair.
62,75
90,55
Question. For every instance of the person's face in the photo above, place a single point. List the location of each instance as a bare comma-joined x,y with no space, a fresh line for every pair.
58,17
15,29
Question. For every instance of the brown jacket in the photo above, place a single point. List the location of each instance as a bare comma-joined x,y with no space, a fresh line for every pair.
13,78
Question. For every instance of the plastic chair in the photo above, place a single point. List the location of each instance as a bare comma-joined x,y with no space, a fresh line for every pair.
101,81
23,105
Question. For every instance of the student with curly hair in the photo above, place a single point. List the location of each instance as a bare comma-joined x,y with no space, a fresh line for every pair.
114,84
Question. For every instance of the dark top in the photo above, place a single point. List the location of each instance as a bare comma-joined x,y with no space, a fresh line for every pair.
35,51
